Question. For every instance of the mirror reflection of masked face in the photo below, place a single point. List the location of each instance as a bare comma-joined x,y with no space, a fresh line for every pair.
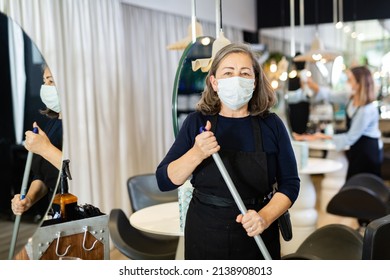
49,93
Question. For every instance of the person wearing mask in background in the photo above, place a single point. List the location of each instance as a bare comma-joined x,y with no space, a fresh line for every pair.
256,150
47,148
363,136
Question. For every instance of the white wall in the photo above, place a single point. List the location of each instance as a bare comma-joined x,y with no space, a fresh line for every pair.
236,13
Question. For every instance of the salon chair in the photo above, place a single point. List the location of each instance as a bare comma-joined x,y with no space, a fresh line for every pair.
376,241
364,196
143,192
330,242
134,244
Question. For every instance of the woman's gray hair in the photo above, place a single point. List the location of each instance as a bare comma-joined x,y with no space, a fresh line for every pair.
263,95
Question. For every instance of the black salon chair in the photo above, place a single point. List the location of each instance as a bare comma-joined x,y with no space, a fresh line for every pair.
143,192
364,196
376,241
134,244
330,242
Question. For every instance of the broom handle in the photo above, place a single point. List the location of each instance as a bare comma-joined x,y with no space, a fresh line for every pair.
238,200
23,192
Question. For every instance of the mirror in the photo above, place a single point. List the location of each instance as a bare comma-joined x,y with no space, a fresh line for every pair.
21,71
189,84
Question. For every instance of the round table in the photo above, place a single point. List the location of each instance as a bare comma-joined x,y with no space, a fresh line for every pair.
161,219
303,213
332,181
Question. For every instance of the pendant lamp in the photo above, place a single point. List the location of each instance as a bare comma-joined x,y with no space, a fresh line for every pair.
194,30
205,63
316,53
183,43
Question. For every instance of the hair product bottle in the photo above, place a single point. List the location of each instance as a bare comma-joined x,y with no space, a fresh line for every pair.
65,203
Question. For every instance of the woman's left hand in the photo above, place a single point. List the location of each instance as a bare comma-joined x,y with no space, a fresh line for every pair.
252,222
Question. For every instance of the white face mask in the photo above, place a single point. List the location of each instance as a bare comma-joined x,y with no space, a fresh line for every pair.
235,92
50,98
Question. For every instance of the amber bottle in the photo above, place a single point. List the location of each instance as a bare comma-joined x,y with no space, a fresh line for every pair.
65,203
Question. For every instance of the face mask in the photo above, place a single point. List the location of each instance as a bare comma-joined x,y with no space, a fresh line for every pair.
235,92
50,98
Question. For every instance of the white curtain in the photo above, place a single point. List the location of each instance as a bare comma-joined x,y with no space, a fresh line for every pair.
115,77
18,76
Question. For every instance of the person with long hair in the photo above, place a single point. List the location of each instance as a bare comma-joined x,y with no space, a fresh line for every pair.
362,140
255,147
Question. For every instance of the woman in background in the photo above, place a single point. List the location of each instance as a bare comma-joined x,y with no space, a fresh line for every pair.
363,136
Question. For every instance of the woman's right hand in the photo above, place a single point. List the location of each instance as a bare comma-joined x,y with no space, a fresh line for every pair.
206,143
37,143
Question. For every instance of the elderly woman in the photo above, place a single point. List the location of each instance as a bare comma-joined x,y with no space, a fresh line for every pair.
256,150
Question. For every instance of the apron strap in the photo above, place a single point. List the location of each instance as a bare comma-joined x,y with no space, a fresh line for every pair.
213,121
257,134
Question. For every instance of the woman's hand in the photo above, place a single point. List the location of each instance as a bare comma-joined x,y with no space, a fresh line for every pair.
252,222
19,206
206,143
37,143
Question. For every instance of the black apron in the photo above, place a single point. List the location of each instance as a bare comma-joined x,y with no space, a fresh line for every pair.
211,230
364,156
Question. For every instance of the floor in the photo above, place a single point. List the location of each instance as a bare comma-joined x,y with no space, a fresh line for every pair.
323,219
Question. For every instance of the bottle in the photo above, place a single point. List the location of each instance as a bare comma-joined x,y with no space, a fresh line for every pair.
65,203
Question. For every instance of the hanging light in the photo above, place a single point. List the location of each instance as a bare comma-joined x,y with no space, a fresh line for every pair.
273,67
338,13
182,44
316,53
205,63
274,84
194,30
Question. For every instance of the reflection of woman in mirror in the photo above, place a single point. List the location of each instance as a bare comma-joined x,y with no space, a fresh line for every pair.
46,146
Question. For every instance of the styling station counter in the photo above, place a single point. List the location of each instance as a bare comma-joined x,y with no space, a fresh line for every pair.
86,239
